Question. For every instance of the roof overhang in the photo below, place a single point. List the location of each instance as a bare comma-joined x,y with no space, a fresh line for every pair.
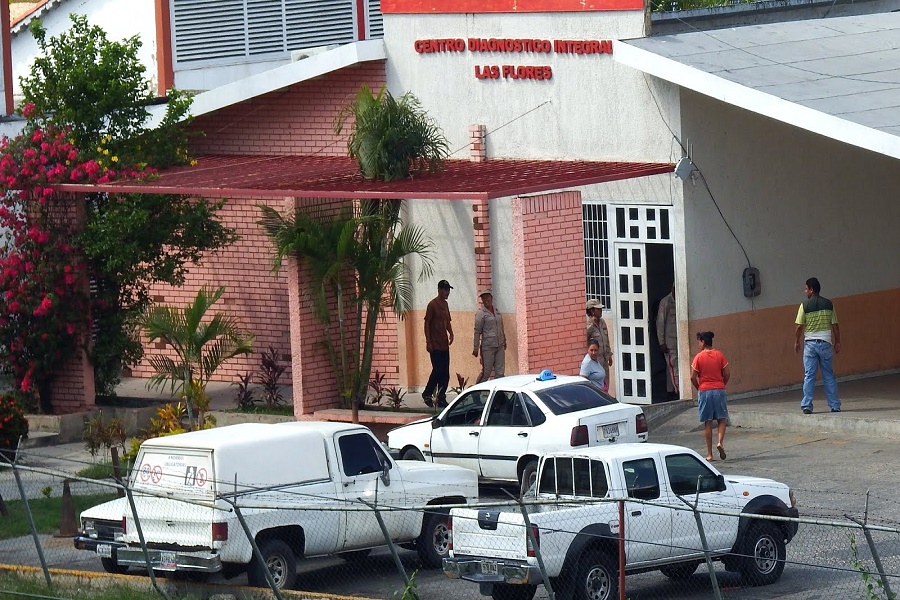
338,177
834,77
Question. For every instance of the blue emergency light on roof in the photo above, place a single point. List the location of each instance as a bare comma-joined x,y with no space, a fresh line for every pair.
546,375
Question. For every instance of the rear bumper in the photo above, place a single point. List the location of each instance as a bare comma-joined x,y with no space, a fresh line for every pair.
104,548
167,560
482,570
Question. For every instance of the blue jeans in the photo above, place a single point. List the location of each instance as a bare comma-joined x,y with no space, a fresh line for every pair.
818,354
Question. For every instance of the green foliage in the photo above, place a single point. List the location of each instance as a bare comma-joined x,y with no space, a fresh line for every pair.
676,5
391,138
19,585
245,397
872,583
201,345
99,435
100,470
46,513
410,592
13,423
364,253
98,88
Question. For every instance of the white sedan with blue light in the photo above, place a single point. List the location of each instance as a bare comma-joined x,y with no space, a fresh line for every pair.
500,427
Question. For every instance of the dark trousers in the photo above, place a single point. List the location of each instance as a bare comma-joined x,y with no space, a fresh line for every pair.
440,375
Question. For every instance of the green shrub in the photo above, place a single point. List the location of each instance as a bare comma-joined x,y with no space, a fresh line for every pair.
13,424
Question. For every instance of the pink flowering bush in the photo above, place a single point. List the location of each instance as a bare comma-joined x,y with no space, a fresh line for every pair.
13,423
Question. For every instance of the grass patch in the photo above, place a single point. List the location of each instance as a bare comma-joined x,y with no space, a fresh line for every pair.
46,513
24,587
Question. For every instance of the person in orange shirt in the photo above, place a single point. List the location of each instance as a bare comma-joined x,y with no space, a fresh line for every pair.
709,375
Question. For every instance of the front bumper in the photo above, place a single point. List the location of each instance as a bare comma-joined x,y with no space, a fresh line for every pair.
792,526
484,570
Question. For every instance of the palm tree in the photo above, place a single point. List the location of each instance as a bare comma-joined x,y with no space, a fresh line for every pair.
392,138
201,345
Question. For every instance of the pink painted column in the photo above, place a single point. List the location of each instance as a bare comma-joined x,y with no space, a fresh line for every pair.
548,259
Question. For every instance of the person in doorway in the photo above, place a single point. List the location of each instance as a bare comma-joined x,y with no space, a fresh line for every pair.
667,335
710,375
590,365
596,330
817,328
489,338
438,338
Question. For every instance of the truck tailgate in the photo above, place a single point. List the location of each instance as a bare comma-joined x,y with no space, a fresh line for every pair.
166,521
489,532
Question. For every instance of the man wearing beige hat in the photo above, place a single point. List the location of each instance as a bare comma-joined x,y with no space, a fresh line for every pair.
597,331
490,338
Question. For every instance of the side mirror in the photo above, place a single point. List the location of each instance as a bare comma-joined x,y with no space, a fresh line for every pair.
386,472
436,423
714,483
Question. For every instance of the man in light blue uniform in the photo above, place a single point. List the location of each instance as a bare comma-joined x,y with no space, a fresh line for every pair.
817,329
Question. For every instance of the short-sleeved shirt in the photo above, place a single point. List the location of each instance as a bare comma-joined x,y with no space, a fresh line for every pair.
437,324
593,370
709,365
817,316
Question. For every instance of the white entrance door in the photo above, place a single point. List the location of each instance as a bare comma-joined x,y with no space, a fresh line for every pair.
632,342
634,227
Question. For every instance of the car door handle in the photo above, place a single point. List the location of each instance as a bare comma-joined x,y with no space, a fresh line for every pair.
635,513
473,433
523,434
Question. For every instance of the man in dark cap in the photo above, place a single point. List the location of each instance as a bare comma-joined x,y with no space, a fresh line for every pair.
438,337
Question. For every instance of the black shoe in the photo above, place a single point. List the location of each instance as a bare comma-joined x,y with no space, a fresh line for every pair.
428,400
807,411
835,410
442,403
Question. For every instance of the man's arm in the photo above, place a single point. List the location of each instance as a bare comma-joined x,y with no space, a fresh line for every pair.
836,337
450,329
429,316
798,337
661,316
479,329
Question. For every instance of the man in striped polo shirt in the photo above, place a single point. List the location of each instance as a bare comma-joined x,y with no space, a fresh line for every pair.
818,331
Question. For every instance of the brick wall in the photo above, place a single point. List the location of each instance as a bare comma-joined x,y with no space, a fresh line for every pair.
548,258
298,119
254,294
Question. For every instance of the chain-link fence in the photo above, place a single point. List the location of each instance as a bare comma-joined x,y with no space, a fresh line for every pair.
322,535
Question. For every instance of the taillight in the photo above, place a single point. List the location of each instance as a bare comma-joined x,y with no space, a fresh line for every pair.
532,548
220,532
641,422
124,525
579,436
450,533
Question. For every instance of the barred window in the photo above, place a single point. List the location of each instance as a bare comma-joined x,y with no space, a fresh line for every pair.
596,252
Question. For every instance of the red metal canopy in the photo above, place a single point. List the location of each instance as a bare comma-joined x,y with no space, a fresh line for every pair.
338,177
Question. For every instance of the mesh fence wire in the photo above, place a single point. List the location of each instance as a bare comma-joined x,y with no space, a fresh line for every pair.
298,536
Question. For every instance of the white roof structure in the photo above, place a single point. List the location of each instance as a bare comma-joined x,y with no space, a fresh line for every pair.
836,77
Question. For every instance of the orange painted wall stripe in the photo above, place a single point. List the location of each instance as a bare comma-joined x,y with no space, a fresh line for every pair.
424,7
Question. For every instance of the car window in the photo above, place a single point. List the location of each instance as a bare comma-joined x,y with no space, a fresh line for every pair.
574,477
548,477
573,397
641,479
534,413
500,413
599,482
467,409
360,455
685,471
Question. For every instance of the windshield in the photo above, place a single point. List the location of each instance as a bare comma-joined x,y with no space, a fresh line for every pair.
574,397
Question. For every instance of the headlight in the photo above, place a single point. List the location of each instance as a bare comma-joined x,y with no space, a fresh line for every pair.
88,526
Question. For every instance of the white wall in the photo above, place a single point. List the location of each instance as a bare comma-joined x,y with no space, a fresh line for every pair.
802,205
592,108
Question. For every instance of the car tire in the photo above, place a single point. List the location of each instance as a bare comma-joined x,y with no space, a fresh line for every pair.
505,591
680,571
433,544
111,566
356,556
412,454
529,475
764,553
597,577
281,562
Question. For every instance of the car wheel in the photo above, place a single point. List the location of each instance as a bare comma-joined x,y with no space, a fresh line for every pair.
597,577
433,544
279,559
529,476
505,591
764,553
679,571
412,454
356,556
111,566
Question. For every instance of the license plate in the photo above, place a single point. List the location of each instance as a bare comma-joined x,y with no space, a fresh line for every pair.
610,431
167,561
104,550
489,567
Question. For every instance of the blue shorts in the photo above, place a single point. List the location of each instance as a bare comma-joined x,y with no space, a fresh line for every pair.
712,405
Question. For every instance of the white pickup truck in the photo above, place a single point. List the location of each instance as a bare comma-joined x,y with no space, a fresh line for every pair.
301,487
574,519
